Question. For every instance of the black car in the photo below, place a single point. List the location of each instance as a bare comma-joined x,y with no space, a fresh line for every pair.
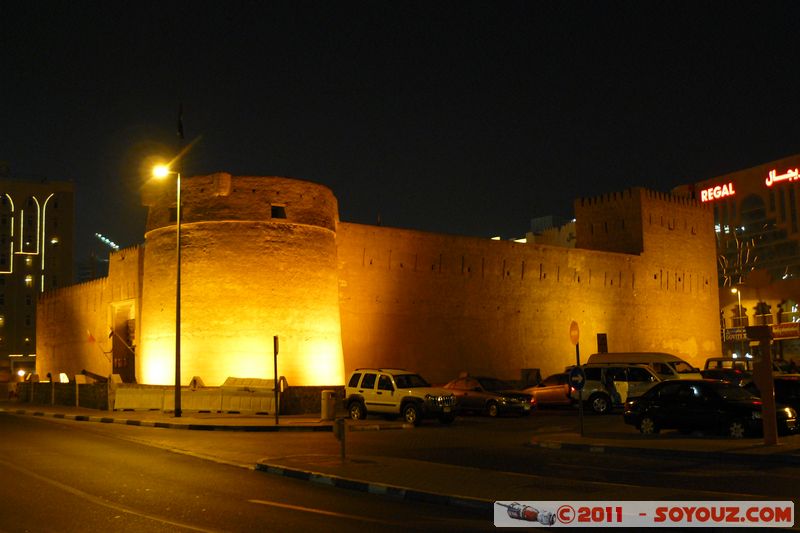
710,405
787,390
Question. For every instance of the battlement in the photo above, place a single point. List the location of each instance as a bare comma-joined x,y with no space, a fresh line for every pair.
635,220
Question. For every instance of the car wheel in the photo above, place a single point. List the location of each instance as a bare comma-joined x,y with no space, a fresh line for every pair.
600,404
736,429
357,411
648,426
411,414
447,419
491,409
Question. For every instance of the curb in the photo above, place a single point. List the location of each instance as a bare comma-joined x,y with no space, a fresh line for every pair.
784,458
381,489
170,425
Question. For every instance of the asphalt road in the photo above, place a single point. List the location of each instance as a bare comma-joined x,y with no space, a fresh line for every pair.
501,444
66,476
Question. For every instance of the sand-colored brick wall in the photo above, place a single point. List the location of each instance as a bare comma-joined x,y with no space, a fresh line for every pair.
74,322
246,277
343,295
443,304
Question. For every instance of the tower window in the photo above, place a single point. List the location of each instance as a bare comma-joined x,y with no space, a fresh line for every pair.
29,281
278,211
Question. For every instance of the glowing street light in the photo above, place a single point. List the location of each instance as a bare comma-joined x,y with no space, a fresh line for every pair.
161,172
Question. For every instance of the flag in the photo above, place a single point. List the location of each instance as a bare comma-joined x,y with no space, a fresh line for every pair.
180,120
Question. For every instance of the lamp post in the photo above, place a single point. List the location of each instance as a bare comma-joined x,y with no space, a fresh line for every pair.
162,171
738,294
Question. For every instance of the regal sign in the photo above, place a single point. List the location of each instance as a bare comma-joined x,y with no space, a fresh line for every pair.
717,192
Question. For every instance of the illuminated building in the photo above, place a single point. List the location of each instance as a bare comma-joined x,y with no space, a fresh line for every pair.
265,256
36,248
757,225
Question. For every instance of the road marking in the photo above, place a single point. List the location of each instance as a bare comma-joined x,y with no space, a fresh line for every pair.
99,501
321,512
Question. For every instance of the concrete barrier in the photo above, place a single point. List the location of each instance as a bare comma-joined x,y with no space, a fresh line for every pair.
230,399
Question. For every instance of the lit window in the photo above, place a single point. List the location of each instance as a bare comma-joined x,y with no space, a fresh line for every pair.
54,240
2,320
28,261
29,281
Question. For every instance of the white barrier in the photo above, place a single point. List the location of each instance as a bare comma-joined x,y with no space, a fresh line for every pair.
229,399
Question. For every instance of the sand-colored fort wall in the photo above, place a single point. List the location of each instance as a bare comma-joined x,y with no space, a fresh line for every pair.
442,304
74,323
258,260
266,256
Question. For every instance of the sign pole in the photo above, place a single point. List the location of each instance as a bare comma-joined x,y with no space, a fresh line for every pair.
580,391
576,375
276,382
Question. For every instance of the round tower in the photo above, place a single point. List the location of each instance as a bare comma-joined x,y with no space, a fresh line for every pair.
258,259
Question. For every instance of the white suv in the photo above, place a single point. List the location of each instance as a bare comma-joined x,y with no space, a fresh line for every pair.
611,384
389,391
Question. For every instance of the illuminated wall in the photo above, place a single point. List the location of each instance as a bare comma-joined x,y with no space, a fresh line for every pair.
265,256
442,304
76,322
258,260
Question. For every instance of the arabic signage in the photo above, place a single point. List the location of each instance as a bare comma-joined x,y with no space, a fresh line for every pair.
791,174
717,192
787,330
783,331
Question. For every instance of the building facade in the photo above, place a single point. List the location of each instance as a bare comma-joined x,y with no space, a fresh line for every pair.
36,253
268,256
757,226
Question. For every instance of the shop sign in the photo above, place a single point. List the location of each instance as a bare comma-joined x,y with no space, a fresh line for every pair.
736,334
717,192
786,330
791,174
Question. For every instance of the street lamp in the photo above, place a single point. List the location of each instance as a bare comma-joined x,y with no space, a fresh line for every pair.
738,294
162,171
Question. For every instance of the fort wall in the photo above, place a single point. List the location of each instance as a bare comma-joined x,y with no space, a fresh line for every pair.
258,258
267,256
442,304
74,323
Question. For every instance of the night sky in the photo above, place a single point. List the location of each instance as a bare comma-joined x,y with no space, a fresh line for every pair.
458,117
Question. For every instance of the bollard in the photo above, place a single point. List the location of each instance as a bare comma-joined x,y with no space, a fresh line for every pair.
340,432
328,407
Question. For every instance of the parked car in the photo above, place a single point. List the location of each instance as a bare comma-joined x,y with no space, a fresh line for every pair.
745,364
787,390
553,391
393,392
611,384
490,396
733,375
708,405
665,365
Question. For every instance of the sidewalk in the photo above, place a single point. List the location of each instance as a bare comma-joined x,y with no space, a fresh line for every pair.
418,480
